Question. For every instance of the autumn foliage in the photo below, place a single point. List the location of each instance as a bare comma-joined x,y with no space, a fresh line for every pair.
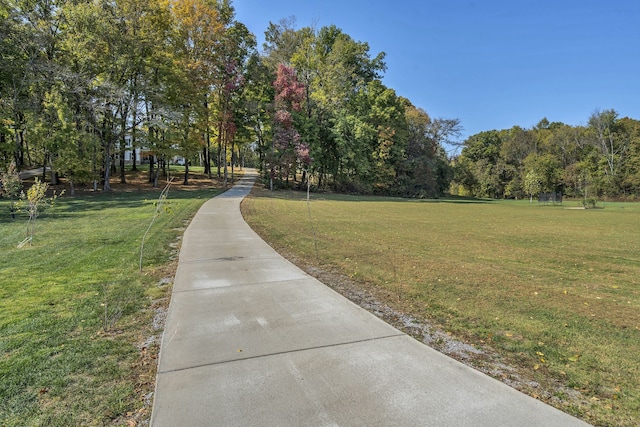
289,151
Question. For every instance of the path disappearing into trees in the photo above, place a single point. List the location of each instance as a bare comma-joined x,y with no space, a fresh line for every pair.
251,340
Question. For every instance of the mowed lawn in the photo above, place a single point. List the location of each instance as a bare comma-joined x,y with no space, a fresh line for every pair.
77,340
552,292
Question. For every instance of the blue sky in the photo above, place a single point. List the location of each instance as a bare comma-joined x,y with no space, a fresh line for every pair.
492,64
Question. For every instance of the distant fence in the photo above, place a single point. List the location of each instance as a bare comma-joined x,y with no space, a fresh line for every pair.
550,198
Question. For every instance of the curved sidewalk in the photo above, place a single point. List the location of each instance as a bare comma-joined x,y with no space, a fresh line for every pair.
251,340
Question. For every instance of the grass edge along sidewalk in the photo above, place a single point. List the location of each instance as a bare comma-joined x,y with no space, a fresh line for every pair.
77,335
548,294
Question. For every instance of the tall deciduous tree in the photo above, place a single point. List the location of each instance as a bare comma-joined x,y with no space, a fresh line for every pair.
613,142
288,148
238,46
258,106
425,171
199,27
630,184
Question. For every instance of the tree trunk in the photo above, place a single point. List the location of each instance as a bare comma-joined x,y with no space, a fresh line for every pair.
154,174
107,168
233,161
134,119
18,155
123,148
224,159
134,160
95,168
207,138
151,167
123,144
206,160
271,174
220,147
186,173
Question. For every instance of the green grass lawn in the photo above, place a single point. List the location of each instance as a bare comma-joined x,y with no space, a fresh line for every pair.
552,292
75,312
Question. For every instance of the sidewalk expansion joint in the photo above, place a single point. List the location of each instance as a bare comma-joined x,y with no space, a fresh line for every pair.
241,285
224,259
222,362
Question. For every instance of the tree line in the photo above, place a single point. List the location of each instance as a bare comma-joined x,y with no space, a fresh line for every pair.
601,159
82,82
334,119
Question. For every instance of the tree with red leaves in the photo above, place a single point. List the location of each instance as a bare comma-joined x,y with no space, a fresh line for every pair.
289,151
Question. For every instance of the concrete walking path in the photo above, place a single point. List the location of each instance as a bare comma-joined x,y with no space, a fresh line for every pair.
251,340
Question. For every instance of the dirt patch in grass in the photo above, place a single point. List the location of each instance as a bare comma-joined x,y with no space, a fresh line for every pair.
139,181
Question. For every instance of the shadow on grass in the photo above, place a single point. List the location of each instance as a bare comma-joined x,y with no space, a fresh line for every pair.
128,197
94,202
